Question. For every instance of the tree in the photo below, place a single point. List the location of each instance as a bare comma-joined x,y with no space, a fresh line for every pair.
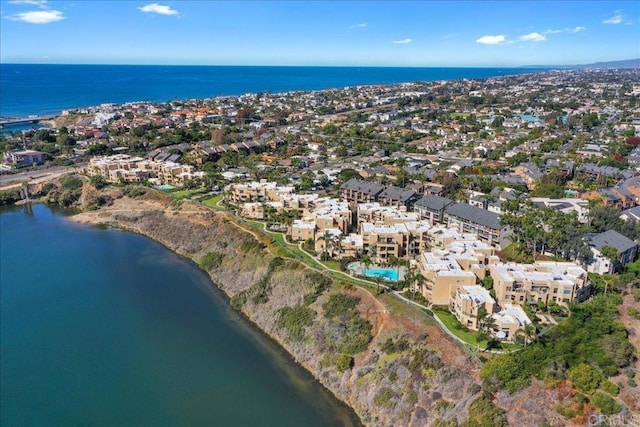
401,175
326,238
611,253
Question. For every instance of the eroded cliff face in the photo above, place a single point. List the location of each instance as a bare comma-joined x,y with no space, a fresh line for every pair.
385,359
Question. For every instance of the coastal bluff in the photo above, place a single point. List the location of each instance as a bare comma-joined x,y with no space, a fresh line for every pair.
385,359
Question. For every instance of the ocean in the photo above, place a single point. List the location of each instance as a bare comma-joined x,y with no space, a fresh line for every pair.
34,89
107,328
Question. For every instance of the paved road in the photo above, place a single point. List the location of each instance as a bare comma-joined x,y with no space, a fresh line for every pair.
36,176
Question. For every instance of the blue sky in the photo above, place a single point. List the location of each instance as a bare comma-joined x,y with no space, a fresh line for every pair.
384,33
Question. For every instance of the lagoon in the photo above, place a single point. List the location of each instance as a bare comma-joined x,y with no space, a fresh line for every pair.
104,327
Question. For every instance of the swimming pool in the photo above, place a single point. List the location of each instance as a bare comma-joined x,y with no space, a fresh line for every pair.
385,273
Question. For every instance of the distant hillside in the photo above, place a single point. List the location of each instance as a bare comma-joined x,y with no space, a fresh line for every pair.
627,63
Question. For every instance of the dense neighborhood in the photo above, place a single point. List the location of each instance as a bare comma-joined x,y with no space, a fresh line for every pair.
504,202
441,176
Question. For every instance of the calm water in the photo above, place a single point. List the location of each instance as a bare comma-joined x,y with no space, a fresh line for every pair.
107,328
47,89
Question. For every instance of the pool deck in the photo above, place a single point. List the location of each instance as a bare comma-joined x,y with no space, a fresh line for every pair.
358,268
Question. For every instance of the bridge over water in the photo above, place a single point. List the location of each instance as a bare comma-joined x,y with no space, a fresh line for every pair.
5,121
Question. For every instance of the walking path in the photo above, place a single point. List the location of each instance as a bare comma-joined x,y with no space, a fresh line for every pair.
322,268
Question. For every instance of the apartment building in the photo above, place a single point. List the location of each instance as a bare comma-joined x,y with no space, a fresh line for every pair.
359,191
377,214
431,208
124,168
398,197
256,192
508,320
544,281
459,263
467,304
483,223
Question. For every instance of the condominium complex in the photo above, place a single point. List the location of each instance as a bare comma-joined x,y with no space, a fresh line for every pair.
124,168
561,282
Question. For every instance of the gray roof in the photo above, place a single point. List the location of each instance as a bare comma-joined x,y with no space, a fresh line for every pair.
397,193
433,202
601,170
633,213
473,214
355,184
611,238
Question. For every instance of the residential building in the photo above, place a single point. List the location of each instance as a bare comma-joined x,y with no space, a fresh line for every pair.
625,248
461,262
508,321
396,196
24,158
544,281
431,208
468,304
485,224
359,191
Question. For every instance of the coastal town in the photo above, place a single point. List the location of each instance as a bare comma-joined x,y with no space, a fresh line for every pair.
499,204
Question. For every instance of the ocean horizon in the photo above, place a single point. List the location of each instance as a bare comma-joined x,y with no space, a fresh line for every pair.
47,89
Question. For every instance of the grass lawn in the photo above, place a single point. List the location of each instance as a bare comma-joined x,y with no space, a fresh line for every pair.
453,325
469,337
183,194
213,201
335,265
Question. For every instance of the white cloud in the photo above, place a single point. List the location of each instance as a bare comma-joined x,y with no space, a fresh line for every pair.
361,25
38,16
159,9
615,18
449,36
499,39
403,41
533,37
41,3
566,30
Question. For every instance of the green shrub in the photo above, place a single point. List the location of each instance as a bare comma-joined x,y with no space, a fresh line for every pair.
133,192
211,260
294,320
584,377
411,396
605,403
9,197
251,245
483,412
610,387
320,284
239,300
389,346
46,188
261,291
344,362
71,182
383,397
339,304
590,337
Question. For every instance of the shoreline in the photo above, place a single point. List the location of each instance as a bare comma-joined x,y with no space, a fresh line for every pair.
192,231
213,287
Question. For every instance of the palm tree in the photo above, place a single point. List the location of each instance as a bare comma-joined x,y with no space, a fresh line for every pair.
402,163
366,261
337,242
326,237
